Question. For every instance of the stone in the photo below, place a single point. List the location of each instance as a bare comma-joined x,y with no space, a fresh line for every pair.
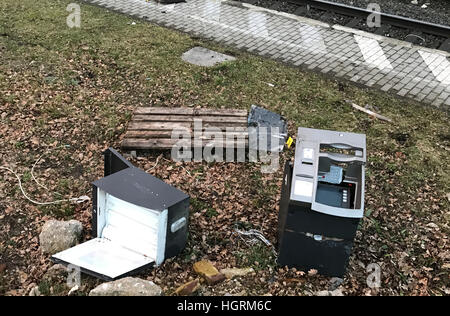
335,283
128,286
236,272
336,292
188,288
35,291
57,236
201,56
208,271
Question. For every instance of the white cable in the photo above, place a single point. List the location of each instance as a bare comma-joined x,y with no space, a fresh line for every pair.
416,36
256,236
80,199
40,157
32,172
156,163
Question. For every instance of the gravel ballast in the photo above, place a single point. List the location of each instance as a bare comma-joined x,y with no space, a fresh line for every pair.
436,11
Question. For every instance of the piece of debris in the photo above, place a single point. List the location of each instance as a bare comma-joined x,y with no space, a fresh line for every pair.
188,288
57,236
127,287
236,272
201,56
253,237
415,2
367,111
275,129
208,271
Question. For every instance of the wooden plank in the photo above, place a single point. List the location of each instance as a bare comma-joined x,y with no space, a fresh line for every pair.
190,111
182,118
168,134
165,143
148,134
156,126
163,111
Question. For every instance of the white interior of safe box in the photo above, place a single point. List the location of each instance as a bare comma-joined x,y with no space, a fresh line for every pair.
130,236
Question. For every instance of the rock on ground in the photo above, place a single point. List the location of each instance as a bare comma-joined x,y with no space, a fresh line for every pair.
236,272
127,287
57,236
35,291
336,292
335,283
188,288
208,271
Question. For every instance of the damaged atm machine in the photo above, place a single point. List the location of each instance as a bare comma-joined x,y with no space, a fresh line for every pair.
137,219
322,201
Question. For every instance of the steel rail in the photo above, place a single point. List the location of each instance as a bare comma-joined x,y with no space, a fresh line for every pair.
400,21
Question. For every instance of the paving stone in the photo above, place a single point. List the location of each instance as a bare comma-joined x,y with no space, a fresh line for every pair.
201,56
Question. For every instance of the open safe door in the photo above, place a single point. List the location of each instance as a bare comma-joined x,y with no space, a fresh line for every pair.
104,259
130,237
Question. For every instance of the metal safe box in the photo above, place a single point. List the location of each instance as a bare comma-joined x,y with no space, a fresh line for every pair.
322,201
137,219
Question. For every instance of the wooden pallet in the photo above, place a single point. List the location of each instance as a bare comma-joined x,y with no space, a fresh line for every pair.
152,128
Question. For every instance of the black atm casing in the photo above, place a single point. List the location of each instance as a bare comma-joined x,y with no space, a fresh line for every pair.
175,242
297,224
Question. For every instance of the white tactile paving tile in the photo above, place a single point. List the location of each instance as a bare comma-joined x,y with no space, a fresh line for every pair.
312,39
372,52
257,22
438,64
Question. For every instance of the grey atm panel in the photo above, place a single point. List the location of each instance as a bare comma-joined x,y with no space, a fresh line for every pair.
322,200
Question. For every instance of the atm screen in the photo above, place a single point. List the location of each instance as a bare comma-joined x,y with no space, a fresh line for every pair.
334,195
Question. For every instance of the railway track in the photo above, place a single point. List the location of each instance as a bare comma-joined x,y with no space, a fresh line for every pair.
415,31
